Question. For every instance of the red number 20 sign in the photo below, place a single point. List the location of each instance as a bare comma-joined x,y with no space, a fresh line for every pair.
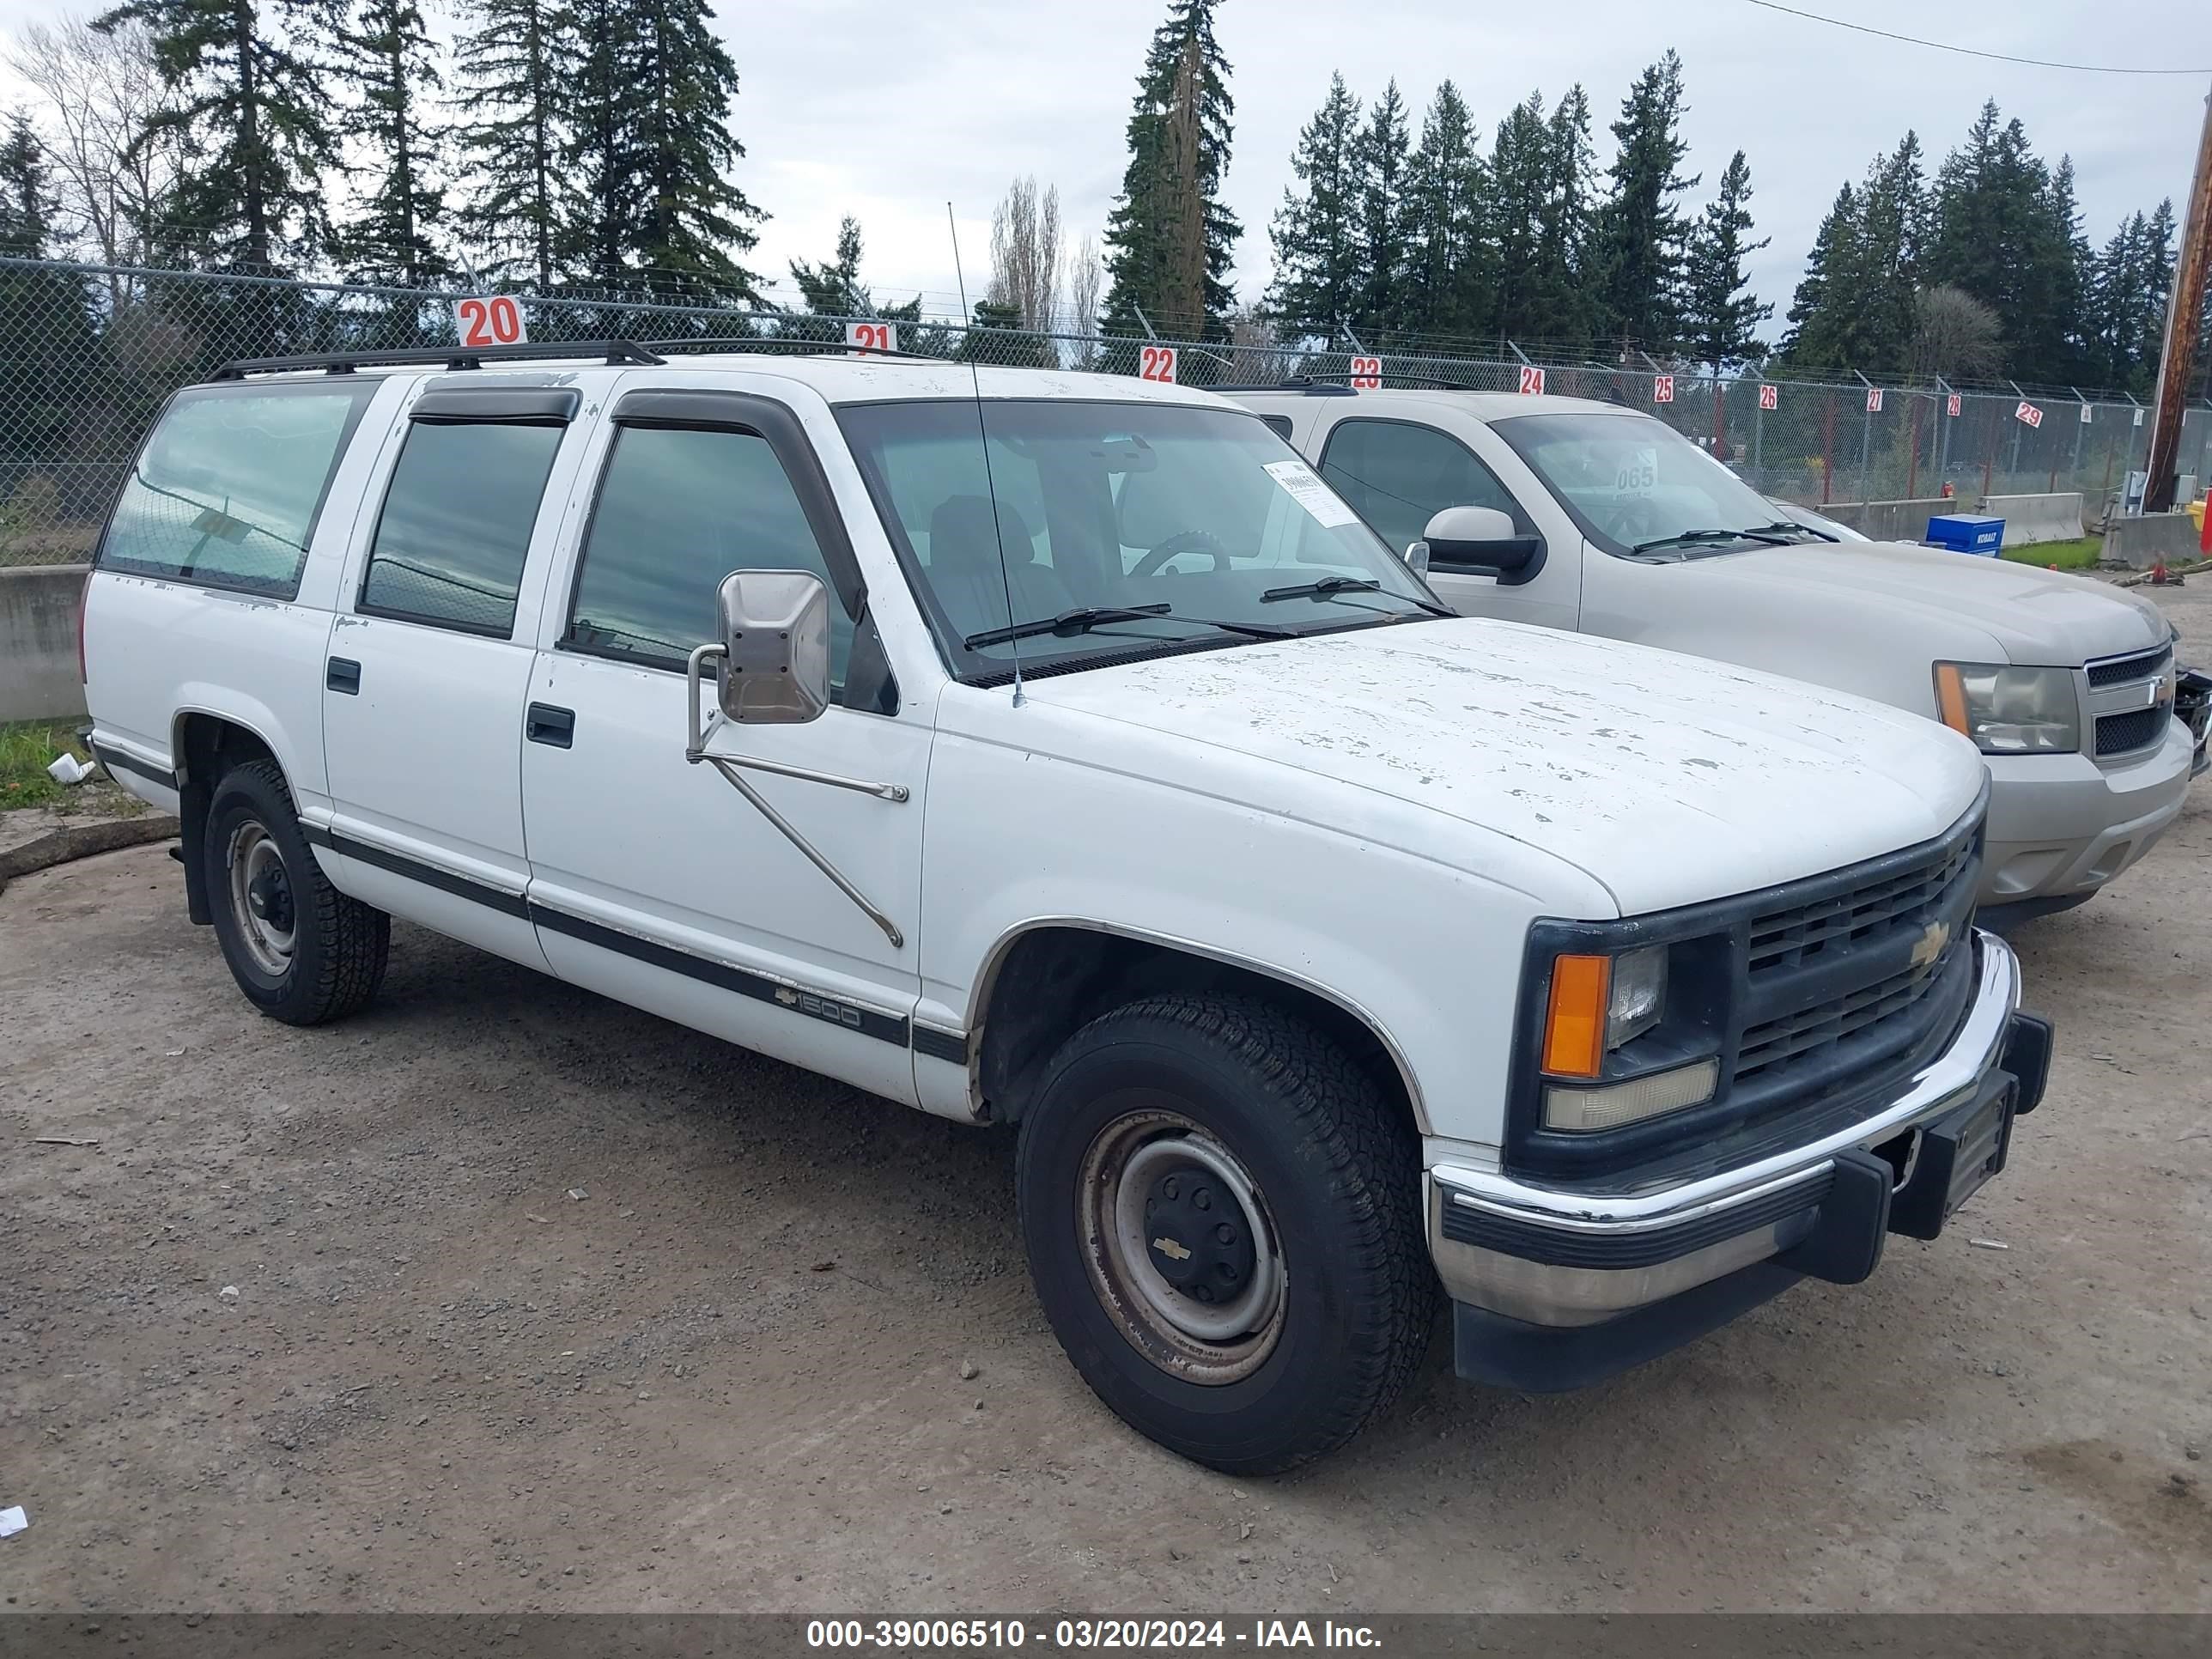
486,322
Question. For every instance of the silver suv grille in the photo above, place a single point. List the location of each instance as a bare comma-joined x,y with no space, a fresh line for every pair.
2122,718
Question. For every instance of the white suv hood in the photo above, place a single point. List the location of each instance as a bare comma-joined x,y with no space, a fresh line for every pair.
1668,778
2037,616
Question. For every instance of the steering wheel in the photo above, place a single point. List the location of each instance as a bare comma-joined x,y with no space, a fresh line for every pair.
1635,521
1185,541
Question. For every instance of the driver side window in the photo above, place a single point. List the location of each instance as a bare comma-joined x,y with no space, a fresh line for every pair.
1398,476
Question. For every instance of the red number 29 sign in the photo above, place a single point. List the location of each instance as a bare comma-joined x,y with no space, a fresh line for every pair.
486,322
1157,363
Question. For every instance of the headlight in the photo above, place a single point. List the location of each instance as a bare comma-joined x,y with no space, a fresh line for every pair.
1600,1004
2010,711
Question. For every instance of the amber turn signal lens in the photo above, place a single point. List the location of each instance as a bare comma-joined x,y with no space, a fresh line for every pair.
1951,698
1574,1024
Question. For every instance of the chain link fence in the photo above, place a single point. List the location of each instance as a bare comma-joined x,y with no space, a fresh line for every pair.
89,353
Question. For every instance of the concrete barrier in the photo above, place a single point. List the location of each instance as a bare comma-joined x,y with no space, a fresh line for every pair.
1890,521
2139,544
38,641
2033,519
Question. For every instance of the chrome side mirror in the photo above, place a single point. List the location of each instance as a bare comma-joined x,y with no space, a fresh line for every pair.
774,664
1417,558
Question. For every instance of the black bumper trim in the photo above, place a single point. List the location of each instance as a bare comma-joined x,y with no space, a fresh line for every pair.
1491,1349
116,761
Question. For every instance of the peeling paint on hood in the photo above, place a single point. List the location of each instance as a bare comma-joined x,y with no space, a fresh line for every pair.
1669,779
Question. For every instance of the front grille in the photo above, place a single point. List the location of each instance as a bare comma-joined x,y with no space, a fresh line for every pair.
2116,670
1789,938
2138,728
1839,1018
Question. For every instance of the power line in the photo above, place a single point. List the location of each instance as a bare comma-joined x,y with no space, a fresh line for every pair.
1971,51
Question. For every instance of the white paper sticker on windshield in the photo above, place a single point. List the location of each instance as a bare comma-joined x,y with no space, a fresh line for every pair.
1639,474
1328,511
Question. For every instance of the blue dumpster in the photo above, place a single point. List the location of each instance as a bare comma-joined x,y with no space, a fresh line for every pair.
1967,533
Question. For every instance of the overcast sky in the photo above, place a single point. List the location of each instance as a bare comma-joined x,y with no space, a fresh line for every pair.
886,109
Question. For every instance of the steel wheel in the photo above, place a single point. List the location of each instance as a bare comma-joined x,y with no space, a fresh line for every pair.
261,902
1181,1249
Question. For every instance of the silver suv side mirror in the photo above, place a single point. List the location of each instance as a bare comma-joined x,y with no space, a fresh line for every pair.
774,665
1417,558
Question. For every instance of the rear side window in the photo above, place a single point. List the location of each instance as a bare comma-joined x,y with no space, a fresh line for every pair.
1398,476
228,488
680,508
455,528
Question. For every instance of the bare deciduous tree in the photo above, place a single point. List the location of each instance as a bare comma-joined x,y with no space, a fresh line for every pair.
1026,254
100,91
1085,272
1954,334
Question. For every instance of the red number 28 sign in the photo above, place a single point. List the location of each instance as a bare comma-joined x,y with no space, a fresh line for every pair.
484,322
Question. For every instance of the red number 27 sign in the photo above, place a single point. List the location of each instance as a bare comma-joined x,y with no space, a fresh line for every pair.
497,320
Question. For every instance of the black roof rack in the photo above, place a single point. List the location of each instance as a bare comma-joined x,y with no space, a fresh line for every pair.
771,344
1304,385
452,357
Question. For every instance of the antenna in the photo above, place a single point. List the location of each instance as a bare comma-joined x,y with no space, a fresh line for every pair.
983,431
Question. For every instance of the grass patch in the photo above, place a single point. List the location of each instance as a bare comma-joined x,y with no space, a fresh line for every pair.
24,751
2080,554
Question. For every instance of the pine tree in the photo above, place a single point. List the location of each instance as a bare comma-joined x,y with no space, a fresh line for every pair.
1320,266
1171,241
1561,304
255,114
1521,170
1806,343
1382,156
833,289
1721,319
1643,233
388,57
514,70
2005,232
1449,268
651,143
45,328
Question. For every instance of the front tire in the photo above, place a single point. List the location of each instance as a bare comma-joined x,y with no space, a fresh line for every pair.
1221,1212
300,950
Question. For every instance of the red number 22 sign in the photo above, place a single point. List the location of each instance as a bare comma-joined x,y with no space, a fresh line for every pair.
1157,363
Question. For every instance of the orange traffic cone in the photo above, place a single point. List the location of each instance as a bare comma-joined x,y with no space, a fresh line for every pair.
2158,577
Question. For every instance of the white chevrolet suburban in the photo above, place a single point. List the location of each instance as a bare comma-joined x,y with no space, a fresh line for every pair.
1059,750
1584,515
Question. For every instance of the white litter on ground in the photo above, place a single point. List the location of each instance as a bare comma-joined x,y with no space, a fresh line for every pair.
13,1520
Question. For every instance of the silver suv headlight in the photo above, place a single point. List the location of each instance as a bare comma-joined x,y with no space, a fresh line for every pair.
2010,711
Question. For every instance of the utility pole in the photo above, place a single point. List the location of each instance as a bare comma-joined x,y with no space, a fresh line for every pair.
2184,312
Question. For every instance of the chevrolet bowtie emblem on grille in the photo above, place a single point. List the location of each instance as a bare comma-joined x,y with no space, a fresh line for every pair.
1168,1247
1932,941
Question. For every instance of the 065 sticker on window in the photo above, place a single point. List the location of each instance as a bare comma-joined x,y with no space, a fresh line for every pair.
1310,493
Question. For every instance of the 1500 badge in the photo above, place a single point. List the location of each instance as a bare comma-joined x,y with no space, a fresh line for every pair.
837,1013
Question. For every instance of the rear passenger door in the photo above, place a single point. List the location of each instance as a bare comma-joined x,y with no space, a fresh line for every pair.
429,659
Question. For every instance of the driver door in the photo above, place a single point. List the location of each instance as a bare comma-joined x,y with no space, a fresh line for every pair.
1397,474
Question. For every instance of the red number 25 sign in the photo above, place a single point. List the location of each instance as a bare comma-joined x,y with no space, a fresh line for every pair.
485,322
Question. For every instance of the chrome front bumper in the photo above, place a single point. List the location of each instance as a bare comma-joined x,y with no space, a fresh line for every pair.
1551,1257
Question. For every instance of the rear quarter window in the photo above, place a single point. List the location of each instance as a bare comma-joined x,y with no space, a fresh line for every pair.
228,488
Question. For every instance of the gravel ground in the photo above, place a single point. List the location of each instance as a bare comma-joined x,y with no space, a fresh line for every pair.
503,1296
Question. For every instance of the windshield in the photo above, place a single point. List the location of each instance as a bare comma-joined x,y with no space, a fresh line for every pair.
1635,486
1202,518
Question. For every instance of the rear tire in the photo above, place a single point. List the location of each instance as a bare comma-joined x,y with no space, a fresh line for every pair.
300,950
1222,1211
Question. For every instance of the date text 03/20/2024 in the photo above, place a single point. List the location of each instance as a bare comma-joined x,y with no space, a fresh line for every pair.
1087,1633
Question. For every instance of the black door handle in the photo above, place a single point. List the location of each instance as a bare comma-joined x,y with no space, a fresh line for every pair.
342,674
548,725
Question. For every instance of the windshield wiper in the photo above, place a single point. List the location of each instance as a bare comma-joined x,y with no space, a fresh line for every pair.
1083,618
1793,527
1693,537
1329,587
